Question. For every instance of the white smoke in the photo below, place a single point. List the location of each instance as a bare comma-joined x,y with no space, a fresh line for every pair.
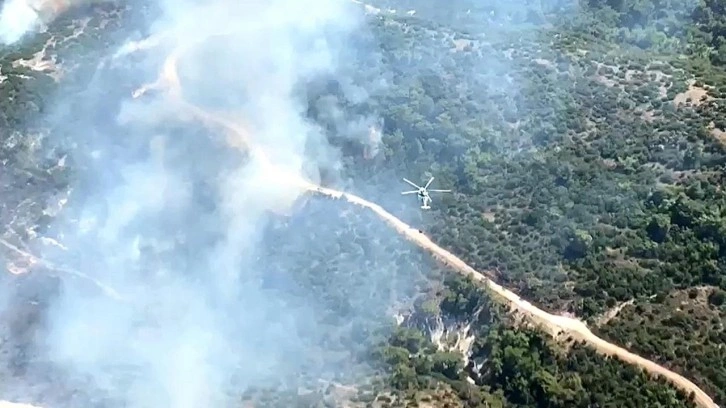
171,216
16,19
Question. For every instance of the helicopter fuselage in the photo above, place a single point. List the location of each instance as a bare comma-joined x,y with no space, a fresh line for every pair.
423,196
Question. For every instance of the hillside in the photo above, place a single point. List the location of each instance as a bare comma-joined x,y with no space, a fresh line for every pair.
586,161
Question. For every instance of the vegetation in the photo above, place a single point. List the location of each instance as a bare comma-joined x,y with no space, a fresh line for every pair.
585,144
684,329
511,367
588,159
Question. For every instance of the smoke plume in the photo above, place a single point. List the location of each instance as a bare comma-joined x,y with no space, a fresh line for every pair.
168,210
17,17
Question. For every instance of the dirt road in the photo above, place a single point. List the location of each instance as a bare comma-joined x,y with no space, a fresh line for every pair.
240,137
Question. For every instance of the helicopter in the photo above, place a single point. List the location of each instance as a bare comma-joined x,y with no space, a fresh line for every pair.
423,192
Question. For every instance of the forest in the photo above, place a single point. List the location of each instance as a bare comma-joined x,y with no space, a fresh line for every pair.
585,145
592,183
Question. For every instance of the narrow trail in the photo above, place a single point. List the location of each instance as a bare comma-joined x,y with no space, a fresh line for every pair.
239,136
31,260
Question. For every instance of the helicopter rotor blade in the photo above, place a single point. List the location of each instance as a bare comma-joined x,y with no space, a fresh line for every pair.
440,191
411,183
410,192
429,183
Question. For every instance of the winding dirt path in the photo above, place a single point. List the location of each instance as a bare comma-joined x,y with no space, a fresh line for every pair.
239,136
